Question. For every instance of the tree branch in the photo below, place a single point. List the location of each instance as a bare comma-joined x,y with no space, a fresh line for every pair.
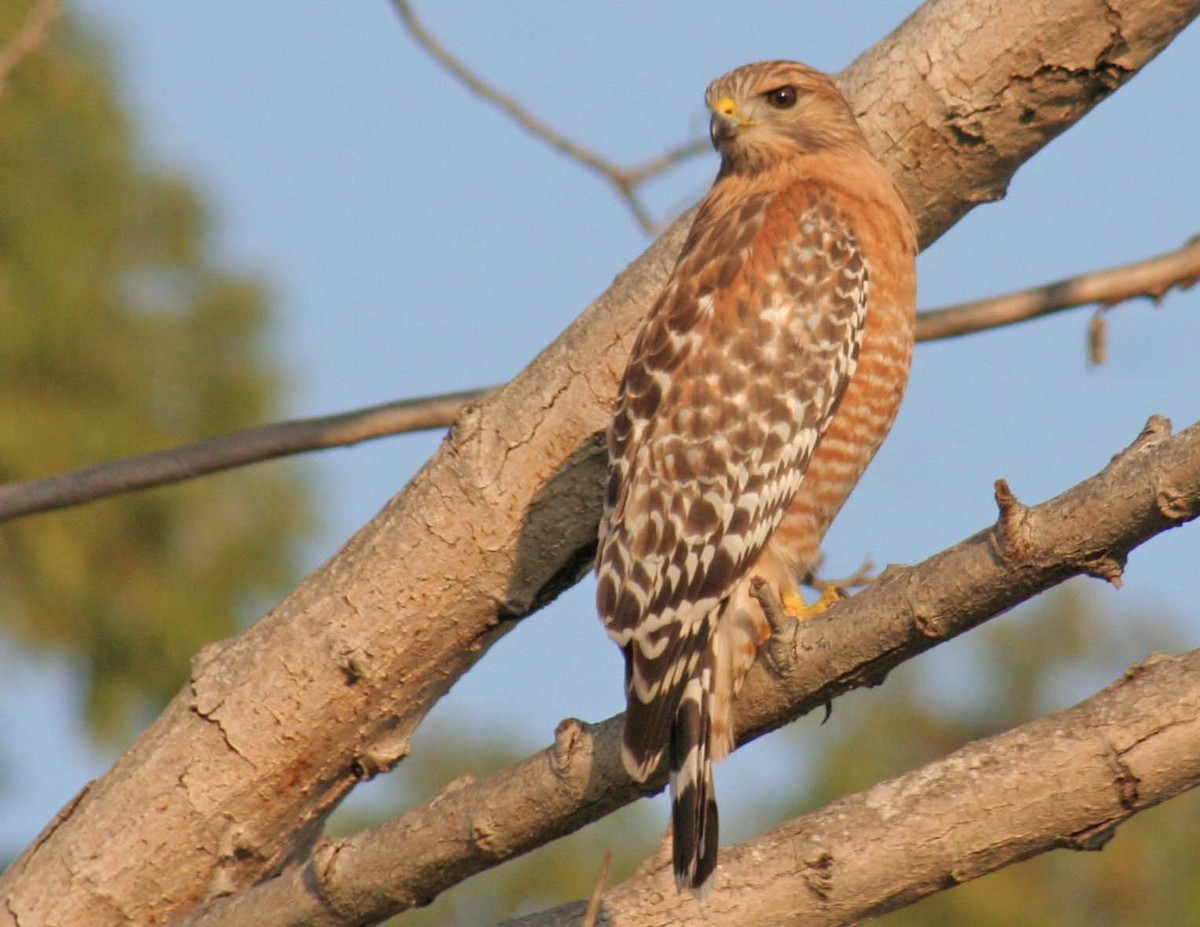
233,781
1152,278
625,180
1151,486
236,449
1064,781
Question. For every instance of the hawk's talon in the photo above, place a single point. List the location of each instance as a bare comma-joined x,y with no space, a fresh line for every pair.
795,606
782,615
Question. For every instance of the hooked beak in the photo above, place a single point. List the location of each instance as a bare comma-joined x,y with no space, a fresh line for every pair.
725,122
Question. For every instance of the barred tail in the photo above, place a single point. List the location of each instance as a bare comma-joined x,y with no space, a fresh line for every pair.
693,798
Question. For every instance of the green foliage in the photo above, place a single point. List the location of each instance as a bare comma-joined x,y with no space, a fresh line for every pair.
121,334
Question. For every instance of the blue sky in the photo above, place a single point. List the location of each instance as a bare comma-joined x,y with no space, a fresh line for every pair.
417,241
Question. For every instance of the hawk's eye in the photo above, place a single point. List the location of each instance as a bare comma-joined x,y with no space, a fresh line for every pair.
782,97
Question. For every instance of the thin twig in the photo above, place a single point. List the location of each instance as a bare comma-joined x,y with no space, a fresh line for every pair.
1097,338
29,38
231,450
660,164
625,180
593,909
1152,278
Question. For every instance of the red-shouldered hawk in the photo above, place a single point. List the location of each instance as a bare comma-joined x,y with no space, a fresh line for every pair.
759,387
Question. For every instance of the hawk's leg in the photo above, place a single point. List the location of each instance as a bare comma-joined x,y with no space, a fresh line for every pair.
780,647
782,615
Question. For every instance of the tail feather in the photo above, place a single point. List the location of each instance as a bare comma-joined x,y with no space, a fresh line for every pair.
693,797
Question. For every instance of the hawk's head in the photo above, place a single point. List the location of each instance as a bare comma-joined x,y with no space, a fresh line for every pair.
770,110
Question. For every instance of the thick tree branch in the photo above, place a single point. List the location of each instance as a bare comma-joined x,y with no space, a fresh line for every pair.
1150,487
1063,781
236,776
1151,278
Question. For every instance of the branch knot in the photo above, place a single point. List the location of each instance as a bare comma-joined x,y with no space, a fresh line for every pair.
1010,540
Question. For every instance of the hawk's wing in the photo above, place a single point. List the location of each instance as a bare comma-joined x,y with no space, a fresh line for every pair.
734,376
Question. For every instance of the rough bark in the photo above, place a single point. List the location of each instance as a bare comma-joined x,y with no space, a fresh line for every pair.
1152,486
236,776
1063,781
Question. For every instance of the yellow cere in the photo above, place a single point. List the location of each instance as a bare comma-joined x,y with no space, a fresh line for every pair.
726,107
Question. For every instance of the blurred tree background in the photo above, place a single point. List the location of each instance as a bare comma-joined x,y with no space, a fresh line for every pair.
120,333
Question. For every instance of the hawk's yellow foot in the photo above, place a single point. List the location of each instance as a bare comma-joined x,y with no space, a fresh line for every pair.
795,606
